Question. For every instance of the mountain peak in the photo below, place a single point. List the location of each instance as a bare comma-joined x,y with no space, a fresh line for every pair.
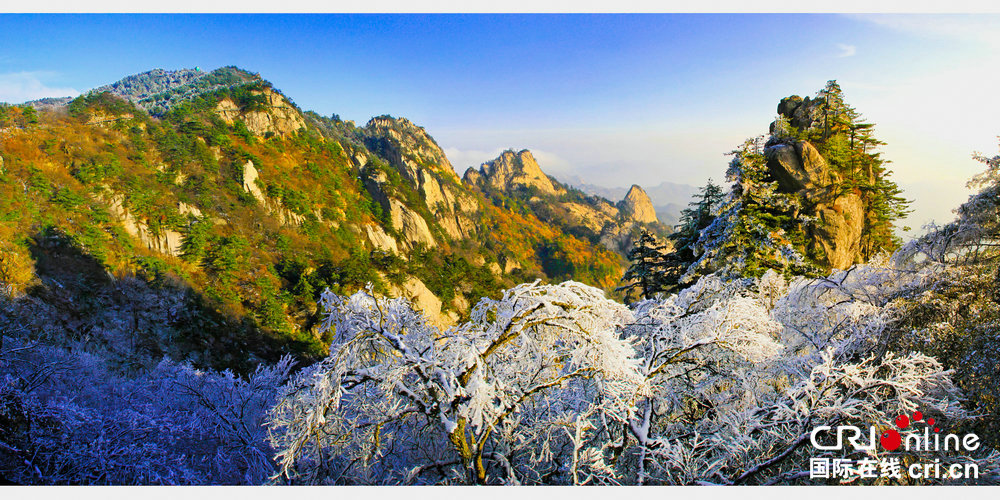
512,169
158,90
144,85
406,145
637,206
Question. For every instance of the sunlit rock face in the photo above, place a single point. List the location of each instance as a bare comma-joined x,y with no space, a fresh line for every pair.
799,168
637,207
512,169
277,116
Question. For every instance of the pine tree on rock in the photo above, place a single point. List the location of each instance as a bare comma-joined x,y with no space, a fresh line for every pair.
700,214
650,268
812,196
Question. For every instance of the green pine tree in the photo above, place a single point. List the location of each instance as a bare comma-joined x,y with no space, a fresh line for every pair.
646,275
700,213
848,144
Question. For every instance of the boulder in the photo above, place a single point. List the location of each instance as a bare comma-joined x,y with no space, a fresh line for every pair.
797,166
787,105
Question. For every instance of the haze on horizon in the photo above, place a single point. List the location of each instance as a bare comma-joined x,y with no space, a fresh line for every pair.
609,99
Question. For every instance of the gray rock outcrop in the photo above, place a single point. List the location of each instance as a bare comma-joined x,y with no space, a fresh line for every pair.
165,240
801,113
250,176
410,224
274,207
380,240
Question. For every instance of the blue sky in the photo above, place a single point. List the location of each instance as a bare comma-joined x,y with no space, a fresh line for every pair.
613,99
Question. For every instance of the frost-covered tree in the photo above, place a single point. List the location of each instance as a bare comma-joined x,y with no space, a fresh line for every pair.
756,228
508,396
68,418
557,384
736,406
955,315
698,216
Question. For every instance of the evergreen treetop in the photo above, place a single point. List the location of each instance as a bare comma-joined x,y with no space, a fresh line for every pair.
649,271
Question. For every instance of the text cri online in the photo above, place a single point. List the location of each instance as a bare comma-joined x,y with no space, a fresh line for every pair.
890,467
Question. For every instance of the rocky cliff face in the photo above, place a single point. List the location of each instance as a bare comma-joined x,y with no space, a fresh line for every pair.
277,116
406,146
423,166
274,207
800,168
165,240
339,206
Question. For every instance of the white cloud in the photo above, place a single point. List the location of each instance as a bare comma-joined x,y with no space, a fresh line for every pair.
977,28
461,159
846,50
27,85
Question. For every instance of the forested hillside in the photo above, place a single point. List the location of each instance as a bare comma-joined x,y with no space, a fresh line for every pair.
214,192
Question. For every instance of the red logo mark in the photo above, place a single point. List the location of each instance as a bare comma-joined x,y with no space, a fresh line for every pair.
890,440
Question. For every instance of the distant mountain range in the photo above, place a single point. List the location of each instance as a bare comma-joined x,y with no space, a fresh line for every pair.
668,198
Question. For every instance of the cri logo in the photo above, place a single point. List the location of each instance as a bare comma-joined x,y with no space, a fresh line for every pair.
891,440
